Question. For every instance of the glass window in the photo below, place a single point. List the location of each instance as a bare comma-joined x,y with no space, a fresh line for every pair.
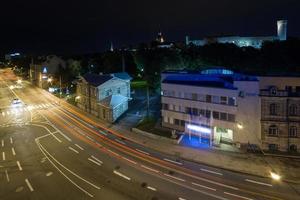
207,114
201,97
223,100
231,117
223,116
293,110
176,121
293,131
194,96
273,147
273,109
216,115
215,99
188,110
195,111
182,123
273,130
208,98
231,101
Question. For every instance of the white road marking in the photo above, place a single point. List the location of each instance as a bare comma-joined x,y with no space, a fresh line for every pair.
3,155
13,151
49,173
150,169
122,175
2,143
97,159
120,141
73,150
172,161
180,198
235,195
11,140
29,185
174,177
151,188
144,152
113,152
94,161
257,182
203,186
19,165
79,147
131,161
6,174
212,172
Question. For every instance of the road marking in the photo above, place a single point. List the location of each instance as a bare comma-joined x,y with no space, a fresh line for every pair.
73,150
49,173
6,174
19,165
144,152
113,152
102,132
13,151
203,186
172,161
120,141
122,175
97,163
257,182
131,161
212,172
11,140
3,155
29,185
235,195
97,159
79,147
150,169
151,188
174,177
180,198
2,143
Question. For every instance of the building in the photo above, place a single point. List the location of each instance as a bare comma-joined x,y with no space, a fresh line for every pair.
226,107
216,104
105,96
280,113
242,41
42,71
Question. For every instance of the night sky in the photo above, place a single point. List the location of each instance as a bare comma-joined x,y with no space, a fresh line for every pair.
83,26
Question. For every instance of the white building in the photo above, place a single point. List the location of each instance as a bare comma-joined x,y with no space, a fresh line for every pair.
243,41
105,96
216,104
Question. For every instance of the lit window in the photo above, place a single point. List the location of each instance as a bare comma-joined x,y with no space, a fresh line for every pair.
273,130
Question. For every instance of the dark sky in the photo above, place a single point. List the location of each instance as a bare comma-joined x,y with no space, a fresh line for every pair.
79,26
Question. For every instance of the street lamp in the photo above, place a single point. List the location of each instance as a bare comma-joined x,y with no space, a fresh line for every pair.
275,176
49,80
240,126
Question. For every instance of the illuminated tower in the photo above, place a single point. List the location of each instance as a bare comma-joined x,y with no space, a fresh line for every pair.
160,37
282,29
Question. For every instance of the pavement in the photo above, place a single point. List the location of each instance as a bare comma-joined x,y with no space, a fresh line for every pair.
61,152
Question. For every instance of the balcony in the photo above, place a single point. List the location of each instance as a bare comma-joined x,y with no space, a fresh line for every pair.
278,93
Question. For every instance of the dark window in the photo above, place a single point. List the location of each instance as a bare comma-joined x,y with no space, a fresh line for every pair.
208,98
188,110
273,147
293,131
165,106
216,115
201,112
176,121
223,116
223,100
293,110
293,148
195,111
231,101
273,109
182,123
194,96
273,130
207,113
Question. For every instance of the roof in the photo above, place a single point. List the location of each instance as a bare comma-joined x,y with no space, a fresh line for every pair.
200,80
95,79
113,101
122,75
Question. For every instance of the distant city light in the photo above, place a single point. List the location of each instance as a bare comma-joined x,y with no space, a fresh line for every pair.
199,128
275,176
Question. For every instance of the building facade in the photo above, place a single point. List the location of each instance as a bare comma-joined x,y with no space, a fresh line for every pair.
105,96
212,104
280,113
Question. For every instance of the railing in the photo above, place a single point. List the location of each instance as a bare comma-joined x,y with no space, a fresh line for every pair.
279,93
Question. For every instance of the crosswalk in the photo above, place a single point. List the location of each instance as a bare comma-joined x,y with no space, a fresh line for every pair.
17,110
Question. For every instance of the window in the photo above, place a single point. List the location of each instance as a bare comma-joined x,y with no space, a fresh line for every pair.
182,123
201,112
273,90
223,116
194,96
207,114
273,147
187,95
103,114
215,99
273,130
165,106
195,111
293,131
188,110
293,110
216,115
201,97
223,100
293,148
273,109
119,90
231,101
208,98
231,117
177,122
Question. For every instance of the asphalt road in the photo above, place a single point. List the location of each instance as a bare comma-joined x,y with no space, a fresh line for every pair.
51,150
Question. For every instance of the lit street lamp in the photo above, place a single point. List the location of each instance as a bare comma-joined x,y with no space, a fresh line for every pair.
275,176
